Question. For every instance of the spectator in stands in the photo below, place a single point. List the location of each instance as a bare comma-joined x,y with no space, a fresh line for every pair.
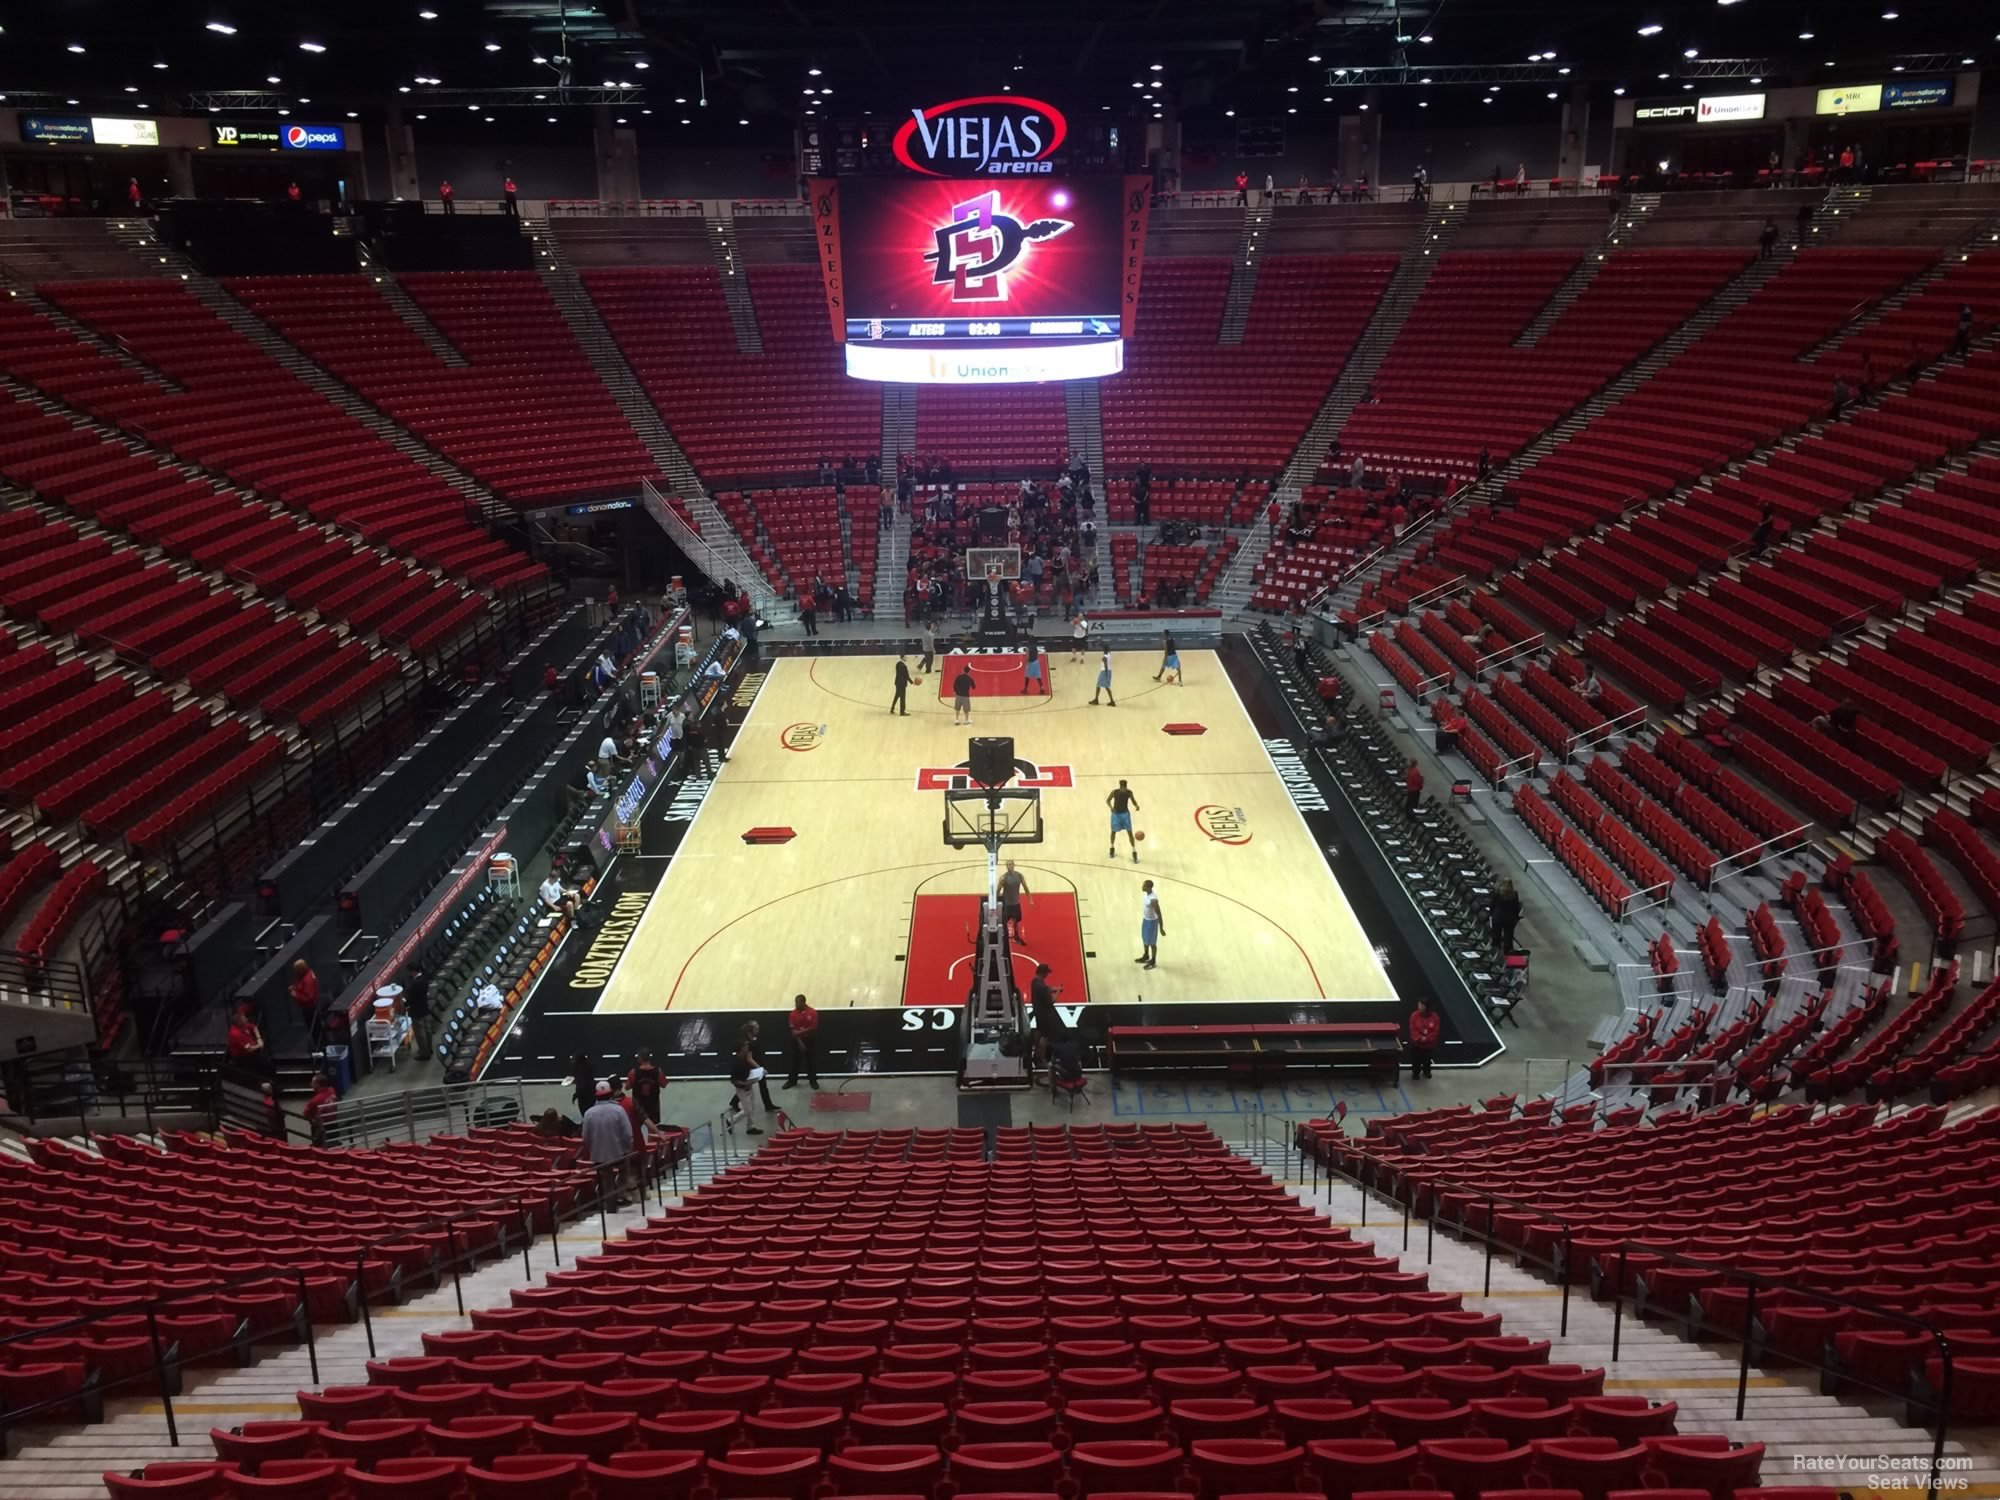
1305,189
1420,185
1961,340
1485,465
1593,690
809,612
802,1051
557,897
444,197
1847,164
1242,189
245,1042
607,1137
1328,732
1413,784
1760,535
647,1083
320,1107
1423,1030
1803,220
292,194
551,678
1505,911
274,1112
583,1083
1866,387
608,754
642,1128
1767,240
1521,178
1356,472
1270,189
1840,722
744,1075
553,1125
1840,397
304,991
134,195
417,1001
512,198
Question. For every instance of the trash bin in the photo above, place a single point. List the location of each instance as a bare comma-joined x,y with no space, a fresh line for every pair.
339,1068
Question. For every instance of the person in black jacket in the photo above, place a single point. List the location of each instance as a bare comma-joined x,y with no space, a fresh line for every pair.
1506,914
417,1000
899,704
583,1083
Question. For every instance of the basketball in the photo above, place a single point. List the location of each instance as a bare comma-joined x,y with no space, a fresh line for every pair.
1139,838
916,682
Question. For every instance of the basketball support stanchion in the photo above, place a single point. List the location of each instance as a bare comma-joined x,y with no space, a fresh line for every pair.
986,813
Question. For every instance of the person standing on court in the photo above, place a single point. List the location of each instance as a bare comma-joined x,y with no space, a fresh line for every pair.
1423,1031
1152,926
1122,804
1034,676
1170,658
961,694
1048,1020
1013,886
1079,630
646,1082
900,704
1104,678
929,663
804,1048
1505,911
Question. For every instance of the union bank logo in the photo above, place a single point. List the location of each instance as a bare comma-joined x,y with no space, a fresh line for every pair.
1225,825
802,737
1027,775
974,252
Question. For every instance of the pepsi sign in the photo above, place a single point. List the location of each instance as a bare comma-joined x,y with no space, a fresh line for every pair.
989,135
313,138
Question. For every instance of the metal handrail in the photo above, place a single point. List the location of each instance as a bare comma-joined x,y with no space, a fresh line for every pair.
1941,1406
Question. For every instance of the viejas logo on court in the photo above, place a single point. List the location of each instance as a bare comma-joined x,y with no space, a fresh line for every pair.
987,135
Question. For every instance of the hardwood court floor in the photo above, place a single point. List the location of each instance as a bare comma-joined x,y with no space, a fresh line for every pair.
1252,911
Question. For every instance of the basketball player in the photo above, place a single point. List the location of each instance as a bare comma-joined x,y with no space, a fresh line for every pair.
930,648
1013,886
1079,631
1122,804
899,704
1170,659
961,694
1152,927
1034,674
1104,678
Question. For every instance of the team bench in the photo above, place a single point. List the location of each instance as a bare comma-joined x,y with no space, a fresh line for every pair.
1259,1049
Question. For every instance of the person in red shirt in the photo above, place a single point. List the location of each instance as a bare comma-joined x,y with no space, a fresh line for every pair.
1271,514
245,1045
1242,189
133,193
551,678
647,1082
319,1108
444,197
513,202
804,1049
305,995
292,194
1423,1030
1413,783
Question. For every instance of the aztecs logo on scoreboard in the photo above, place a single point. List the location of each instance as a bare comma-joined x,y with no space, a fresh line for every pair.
1027,776
976,250
988,135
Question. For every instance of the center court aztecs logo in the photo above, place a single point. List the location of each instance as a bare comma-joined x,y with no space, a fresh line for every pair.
1027,775
976,250
987,135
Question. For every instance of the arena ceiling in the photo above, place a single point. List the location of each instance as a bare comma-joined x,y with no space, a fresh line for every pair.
771,62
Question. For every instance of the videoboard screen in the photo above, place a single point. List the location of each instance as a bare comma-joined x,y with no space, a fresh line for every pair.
964,261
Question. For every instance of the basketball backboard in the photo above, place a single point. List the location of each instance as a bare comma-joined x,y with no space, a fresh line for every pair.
977,818
1005,561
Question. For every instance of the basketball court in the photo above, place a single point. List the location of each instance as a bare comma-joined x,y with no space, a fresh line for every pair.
815,863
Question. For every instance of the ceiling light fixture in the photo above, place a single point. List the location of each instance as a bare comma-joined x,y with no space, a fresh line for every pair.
1425,38
1423,104
272,78
160,66
642,65
131,88
1890,15
222,28
1619,91
76,46
1651,28
1312,57
312,47
492,46
427,15
813,72
1227,114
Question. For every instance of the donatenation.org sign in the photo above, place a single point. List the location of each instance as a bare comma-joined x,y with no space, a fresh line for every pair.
985,135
